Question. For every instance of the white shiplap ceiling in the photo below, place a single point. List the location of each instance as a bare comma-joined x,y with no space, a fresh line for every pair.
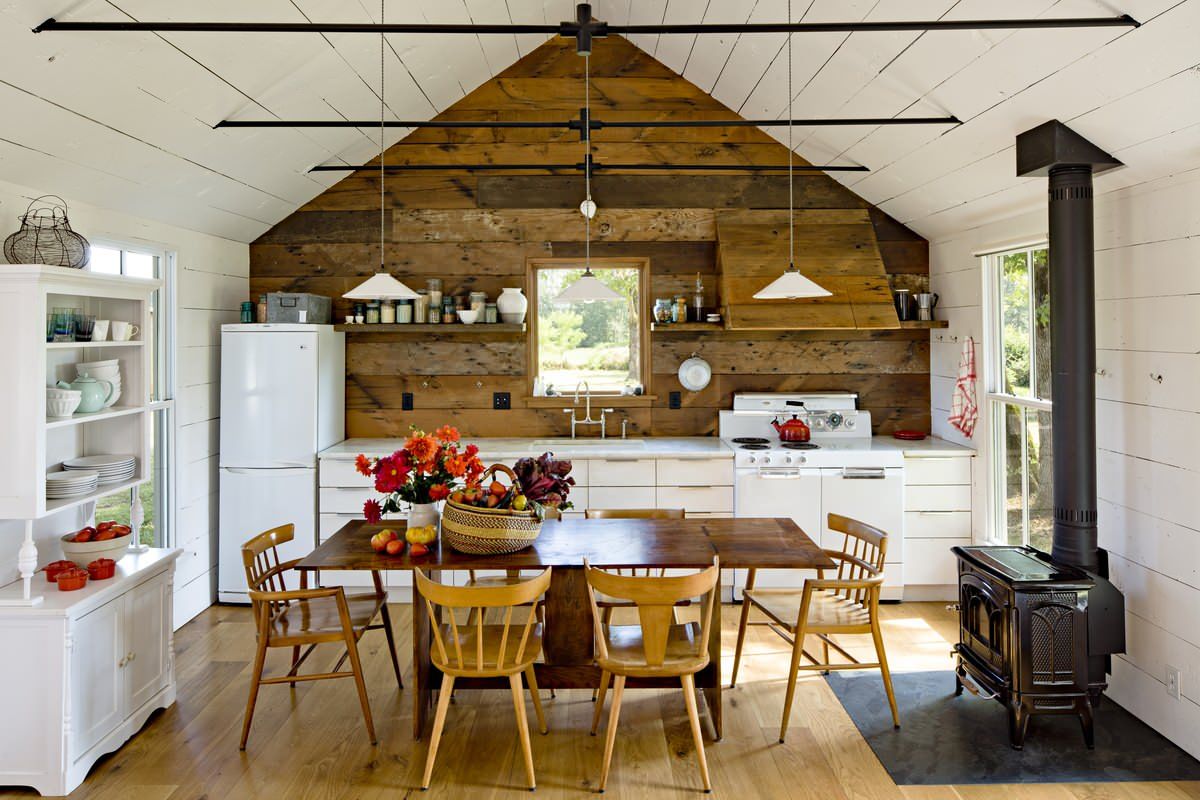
124,120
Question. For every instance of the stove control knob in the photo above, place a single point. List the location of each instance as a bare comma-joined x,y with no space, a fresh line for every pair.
835,419
766,459
787,459
803,459
750,459
850,424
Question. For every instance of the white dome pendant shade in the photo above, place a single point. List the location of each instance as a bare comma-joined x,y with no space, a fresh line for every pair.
791,285
587,289
381,286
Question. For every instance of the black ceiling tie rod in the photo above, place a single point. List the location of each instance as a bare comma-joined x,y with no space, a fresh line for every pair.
596,165
577,124
583,34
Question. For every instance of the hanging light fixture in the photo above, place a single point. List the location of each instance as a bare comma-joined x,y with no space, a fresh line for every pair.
381,285
587,288
791,285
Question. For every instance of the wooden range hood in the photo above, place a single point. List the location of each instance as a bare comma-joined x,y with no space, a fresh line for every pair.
837,248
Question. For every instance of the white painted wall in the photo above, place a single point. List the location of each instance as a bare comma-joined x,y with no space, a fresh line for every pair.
212,278
1148,325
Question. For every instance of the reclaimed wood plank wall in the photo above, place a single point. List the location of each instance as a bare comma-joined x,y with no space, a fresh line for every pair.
476,231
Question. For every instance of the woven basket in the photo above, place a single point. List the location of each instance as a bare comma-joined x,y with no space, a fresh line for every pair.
489,531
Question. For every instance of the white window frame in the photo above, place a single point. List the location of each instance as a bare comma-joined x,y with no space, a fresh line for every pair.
994,396
162,406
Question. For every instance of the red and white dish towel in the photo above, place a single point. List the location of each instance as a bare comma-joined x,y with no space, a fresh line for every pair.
964,411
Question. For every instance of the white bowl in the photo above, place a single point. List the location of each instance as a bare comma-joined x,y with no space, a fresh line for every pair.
84,552
467,316
55,393
63,406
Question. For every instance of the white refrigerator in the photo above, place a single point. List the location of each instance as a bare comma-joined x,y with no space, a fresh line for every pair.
282,402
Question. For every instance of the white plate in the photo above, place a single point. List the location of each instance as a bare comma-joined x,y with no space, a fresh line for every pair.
68,478
98,462
694,374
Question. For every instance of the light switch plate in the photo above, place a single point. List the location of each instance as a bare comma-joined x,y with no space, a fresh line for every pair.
1173,681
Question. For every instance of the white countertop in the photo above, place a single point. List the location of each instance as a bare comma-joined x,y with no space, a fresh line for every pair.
648,447
130,569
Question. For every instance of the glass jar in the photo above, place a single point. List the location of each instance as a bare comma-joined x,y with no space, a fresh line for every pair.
448,311
679,312
247,312
387,312
479,303
491,314
434,315
262,309
434,287
662,311
372,312
404,311
421,306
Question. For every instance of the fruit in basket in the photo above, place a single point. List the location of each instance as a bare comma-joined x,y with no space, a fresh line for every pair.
417,550
520,503
497,489
121,530
421,534
379,541
85,535
458,496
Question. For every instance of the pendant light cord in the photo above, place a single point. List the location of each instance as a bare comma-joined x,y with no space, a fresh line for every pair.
587,163
791,184
382,113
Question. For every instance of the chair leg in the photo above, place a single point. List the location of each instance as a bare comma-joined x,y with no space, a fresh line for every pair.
386,619
881,657
518,693
295,663
689,698
605,677
793,669
439,722
825,654
531,679
610,739
260,658
356,667
743,623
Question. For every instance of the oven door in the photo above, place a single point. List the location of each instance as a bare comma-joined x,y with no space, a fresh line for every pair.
778,492
874,495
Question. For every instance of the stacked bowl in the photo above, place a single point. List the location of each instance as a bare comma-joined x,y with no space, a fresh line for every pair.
62,402
109,370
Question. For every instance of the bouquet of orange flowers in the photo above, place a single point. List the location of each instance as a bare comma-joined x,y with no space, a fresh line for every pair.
426,470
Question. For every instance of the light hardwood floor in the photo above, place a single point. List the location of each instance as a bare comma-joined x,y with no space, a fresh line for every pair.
310,744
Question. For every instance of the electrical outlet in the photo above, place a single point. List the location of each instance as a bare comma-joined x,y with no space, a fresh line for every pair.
406,401
501,401
675,400
1173,681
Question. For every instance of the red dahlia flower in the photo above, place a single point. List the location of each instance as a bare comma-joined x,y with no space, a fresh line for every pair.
372,511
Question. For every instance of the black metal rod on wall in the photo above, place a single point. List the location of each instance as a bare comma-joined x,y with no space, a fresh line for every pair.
595,167
571,29
596,123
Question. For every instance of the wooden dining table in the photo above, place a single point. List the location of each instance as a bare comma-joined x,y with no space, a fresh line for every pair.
568,638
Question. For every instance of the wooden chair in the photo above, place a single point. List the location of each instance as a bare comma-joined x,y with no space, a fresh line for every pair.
609,603
656,647
484,651
848,603
298,617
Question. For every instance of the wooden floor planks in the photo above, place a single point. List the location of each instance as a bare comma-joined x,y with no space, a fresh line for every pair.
310,744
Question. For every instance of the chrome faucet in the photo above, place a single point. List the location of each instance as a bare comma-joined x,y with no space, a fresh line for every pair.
587,416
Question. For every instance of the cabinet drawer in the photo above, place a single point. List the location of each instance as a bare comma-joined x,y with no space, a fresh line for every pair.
345,501
621,497
937,470
696,498
338,472
695,472
621,472
937,498
937,524
929,562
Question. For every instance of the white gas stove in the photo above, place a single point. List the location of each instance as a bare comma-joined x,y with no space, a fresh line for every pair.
840,470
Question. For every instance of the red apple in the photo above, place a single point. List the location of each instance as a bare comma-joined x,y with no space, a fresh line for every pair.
418,550
395,547
498,489
378,543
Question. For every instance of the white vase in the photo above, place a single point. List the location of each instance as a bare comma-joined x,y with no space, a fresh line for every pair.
512,305
421,514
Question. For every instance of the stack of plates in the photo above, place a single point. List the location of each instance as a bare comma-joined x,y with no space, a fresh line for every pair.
109,468
70,483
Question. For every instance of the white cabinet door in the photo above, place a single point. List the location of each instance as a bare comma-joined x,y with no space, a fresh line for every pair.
147,640
621,497
97,678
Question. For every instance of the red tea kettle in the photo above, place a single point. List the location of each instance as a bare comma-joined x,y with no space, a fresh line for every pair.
792,430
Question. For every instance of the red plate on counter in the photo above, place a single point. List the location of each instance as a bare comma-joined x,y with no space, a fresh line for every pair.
909,436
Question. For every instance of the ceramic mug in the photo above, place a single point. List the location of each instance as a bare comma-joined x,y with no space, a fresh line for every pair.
100,330
123,331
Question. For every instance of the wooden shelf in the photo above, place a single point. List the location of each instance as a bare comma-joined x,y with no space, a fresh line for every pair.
71,345
95,416
687,327
478,329
924,323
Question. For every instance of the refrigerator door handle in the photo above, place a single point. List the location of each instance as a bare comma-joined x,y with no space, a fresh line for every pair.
267,471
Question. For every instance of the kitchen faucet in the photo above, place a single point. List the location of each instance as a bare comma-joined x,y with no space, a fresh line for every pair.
587,417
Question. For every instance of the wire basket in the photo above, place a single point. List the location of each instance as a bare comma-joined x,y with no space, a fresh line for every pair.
46,237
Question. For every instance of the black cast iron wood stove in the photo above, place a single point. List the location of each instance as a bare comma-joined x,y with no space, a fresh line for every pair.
1036,631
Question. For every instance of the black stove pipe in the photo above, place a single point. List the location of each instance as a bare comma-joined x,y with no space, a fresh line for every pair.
1073,366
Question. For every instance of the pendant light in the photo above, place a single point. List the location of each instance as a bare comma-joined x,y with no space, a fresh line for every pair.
791,285
587,288
381,285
